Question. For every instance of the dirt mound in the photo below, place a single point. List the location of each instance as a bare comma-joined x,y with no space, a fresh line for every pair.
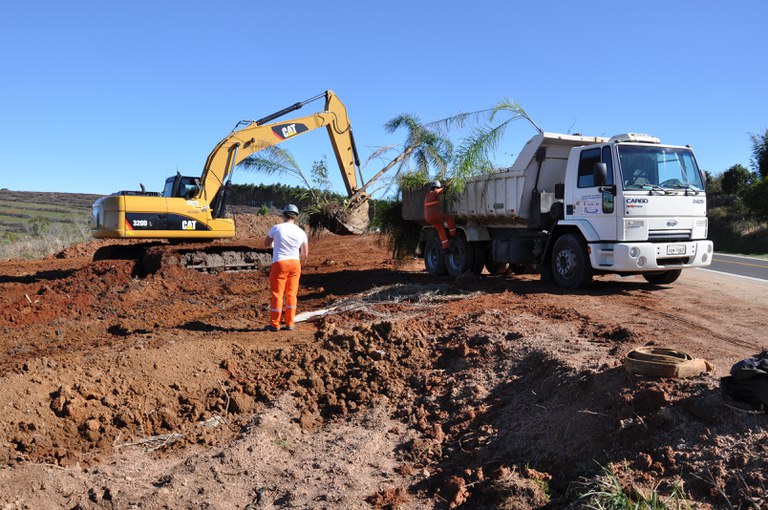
253,227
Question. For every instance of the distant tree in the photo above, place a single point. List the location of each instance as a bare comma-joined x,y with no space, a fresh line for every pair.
756,199
736,179
713,183
760,154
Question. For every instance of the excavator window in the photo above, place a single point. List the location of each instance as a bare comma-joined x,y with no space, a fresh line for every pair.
181,186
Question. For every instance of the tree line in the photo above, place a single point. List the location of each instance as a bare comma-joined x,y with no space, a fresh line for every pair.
748,187
274,195
738,203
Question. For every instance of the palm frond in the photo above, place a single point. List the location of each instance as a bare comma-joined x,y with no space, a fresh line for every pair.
275,160
379,153
472,157
517,111
459,121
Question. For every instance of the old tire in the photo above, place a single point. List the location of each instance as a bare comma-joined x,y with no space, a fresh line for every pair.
663,277
461,256
570,264
434,258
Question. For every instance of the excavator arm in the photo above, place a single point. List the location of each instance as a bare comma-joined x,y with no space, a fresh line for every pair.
260,134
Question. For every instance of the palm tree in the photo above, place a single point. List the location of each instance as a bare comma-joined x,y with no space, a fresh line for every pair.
473,155
424,148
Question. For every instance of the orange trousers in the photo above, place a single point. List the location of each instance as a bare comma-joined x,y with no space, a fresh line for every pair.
283,280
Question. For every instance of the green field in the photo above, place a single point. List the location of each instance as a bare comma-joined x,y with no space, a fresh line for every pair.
35,224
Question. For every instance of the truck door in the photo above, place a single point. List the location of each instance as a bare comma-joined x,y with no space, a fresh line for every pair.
590,203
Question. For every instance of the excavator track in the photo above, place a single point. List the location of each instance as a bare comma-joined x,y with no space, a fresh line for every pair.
152,257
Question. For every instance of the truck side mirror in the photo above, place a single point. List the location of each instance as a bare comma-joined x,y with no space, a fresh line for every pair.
600,171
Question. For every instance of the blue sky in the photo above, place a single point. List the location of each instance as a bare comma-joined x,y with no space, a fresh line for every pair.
98,97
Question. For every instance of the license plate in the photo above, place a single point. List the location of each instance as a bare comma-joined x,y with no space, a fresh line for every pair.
676,249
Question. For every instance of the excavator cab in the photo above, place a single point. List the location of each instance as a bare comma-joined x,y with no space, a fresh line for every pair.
181,186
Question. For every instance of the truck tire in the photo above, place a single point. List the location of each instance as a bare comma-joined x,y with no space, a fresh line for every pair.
663,277
461,256
493,267
571,268
434,258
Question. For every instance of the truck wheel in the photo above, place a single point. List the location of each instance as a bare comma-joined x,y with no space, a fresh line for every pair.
434,258
479,251
494,267
662,277
570,264
460,255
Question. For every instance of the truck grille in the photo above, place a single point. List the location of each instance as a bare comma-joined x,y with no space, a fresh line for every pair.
669,235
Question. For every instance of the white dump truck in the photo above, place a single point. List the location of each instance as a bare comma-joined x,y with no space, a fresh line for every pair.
574,206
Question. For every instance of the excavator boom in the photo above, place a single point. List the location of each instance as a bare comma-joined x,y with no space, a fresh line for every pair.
260,134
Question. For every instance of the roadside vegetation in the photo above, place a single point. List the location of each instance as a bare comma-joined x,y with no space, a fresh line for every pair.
738,204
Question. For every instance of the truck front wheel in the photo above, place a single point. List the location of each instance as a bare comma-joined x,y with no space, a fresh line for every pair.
570,264
434,258
663,277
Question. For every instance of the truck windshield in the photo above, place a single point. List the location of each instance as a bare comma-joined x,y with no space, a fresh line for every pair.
644,167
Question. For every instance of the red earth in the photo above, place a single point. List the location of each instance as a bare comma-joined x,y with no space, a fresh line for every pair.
400,391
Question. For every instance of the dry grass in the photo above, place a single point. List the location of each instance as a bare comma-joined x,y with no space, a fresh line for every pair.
54,238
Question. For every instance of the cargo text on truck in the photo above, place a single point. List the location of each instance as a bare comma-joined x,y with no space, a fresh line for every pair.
574,206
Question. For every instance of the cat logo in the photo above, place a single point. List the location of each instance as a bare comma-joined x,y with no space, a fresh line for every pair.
188,224
285,131
289,130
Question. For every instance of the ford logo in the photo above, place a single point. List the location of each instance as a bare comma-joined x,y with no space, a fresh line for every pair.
672,223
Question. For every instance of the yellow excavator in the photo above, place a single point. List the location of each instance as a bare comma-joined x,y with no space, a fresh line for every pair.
193,208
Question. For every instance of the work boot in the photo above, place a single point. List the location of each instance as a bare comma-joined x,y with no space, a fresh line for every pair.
288,328
269,327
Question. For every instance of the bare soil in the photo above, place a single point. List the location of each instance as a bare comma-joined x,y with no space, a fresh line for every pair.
118,391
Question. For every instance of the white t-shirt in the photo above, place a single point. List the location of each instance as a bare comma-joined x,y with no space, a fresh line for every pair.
288,238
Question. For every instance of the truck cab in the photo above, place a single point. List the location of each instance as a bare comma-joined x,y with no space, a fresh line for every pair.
635,206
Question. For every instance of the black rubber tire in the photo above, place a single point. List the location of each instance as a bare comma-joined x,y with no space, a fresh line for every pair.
571,268
479,251
460,256
664,277
493,267
434,258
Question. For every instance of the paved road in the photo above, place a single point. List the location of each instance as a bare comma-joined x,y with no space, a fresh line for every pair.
748,267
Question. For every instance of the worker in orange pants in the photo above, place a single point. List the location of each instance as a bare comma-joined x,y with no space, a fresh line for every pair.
283,281
433,213
289,247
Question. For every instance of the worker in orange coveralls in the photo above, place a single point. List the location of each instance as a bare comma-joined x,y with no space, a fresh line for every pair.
289,247
433,213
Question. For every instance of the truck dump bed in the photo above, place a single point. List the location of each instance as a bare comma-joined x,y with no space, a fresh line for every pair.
506,198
